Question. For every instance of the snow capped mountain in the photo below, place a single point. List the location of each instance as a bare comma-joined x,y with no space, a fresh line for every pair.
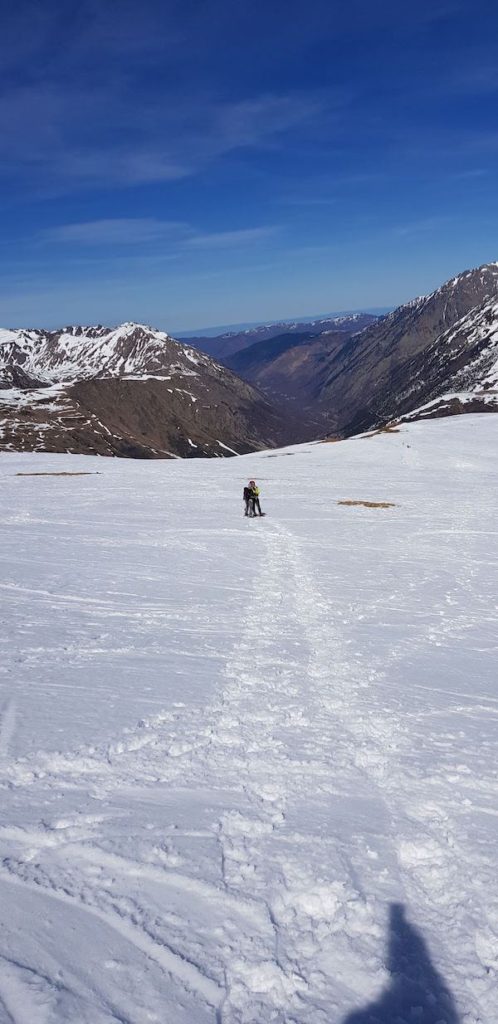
344,322
477,334
477,284
353,381
468,354
81,353
412,355
130,390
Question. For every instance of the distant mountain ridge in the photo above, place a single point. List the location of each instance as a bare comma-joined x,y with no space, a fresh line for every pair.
130,391
238,328
135,391
227,344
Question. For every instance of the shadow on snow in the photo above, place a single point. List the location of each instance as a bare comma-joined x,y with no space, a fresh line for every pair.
416,993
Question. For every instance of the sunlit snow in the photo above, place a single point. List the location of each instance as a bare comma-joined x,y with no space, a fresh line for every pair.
248,768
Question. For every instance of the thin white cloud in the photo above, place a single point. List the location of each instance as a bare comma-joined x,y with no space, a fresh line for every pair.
44,132
132,231
308,201
480,79
118,231
471,174
229,239
425,224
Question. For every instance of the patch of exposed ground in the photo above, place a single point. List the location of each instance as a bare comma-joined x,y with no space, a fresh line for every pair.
59,474
369,504
382,430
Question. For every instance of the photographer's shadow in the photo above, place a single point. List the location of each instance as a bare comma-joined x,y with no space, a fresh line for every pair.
416,992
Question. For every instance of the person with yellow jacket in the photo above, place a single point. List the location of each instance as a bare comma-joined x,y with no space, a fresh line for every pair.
254,499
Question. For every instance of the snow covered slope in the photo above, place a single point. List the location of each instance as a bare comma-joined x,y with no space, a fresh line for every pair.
462,373
127,391
248,768
77,353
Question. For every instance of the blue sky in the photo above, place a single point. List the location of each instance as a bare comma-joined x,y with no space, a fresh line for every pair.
194,163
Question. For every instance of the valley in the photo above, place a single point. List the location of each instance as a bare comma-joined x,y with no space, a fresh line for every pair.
135,392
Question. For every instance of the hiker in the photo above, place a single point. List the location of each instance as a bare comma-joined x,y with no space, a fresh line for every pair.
251,500
255,498
256,507
248,500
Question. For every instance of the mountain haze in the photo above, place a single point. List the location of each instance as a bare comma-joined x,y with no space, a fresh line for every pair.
225,345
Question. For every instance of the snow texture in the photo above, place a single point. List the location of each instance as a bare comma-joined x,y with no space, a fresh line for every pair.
248,768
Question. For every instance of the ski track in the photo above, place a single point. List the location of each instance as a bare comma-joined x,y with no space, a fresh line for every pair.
288,931
7,727
23,995
177,966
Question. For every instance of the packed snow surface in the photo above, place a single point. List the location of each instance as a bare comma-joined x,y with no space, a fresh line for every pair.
248,768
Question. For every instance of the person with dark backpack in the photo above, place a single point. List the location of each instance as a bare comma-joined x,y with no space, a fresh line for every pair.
248,500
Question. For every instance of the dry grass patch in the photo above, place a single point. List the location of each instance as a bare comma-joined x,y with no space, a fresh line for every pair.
369,504
58,474
383,430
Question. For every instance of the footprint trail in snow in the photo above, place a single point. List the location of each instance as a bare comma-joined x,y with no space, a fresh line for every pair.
232,858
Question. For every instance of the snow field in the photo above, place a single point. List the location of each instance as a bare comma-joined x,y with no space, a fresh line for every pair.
232,750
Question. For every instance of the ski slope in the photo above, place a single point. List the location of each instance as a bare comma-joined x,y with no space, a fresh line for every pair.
248,768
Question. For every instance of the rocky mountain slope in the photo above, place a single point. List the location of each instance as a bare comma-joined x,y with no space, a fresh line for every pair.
437,351
224,346
290,366
469,352
130,391
412,355
134,391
